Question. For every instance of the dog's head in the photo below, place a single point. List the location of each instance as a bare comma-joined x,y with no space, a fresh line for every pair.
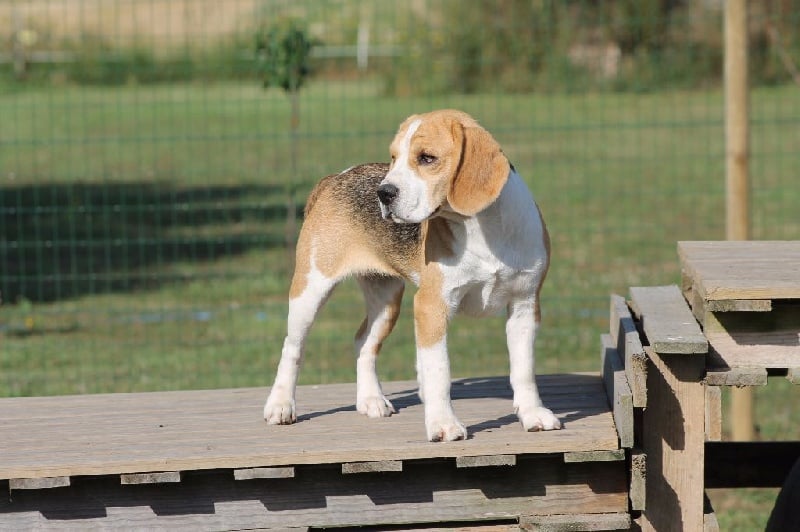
441,160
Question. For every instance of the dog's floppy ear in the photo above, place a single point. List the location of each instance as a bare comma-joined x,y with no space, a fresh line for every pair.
482,170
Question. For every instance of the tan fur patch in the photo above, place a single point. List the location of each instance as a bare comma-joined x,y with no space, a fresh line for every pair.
394,313
343,233
362,330
482,173
431,314
439,240
302,266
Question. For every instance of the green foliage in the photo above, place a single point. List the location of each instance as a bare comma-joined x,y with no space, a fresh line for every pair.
97,63
523,46
636,24
284,51
94,60
513,46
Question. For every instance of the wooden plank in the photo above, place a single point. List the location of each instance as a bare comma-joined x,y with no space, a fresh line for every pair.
505,526
223,429
625,336
594,456
668,323
751,464
762,340
486,461
739,305
720,374
742,270
673,439
619,393
723,372
150,478
427,491
253,473
569,522
38,483
757,350
713,413
638,476
381,466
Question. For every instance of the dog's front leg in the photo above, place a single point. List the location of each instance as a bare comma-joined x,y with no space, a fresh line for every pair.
521,328
431,316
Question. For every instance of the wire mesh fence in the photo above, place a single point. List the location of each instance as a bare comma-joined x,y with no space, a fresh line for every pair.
147,174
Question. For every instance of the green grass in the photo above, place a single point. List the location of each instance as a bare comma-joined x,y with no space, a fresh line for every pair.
142,228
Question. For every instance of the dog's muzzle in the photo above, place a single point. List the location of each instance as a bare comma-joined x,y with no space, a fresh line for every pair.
387,193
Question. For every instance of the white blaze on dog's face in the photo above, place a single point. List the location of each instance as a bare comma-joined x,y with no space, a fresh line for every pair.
443,158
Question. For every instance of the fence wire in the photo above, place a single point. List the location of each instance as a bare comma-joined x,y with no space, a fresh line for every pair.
148,176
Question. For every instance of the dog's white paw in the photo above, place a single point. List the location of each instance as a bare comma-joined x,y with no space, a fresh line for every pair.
280,411
375,406
447,429
538,418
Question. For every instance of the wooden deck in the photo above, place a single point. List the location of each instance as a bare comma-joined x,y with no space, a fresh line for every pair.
207,460
194,430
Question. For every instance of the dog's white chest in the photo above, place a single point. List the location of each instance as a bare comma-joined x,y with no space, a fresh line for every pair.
491,294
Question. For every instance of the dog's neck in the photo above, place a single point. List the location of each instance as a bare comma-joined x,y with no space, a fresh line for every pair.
512,206
512,217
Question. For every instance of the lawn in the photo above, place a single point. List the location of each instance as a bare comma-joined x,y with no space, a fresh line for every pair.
142,228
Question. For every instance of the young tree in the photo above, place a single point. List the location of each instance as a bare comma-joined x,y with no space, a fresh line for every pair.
284,51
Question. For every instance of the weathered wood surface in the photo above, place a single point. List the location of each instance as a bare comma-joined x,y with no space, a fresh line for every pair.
150,478
743,270
486,461
569,522
38,483
719,373
747,296
426,491
667,320
757,340
263,472
618,392
594,456
191,430
625,336
713,413
673,440
382,466
638,488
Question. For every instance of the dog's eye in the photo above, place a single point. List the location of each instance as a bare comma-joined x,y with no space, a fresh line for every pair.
424,158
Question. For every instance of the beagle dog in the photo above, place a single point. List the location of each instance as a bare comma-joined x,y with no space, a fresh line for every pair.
451,215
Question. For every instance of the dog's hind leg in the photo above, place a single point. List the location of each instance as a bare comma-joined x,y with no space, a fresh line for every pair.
310,290
521,326
382,295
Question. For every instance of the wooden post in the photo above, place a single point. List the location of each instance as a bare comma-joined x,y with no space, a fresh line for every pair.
673,422
737,138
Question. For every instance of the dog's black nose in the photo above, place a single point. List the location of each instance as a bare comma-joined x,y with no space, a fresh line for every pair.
387,193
